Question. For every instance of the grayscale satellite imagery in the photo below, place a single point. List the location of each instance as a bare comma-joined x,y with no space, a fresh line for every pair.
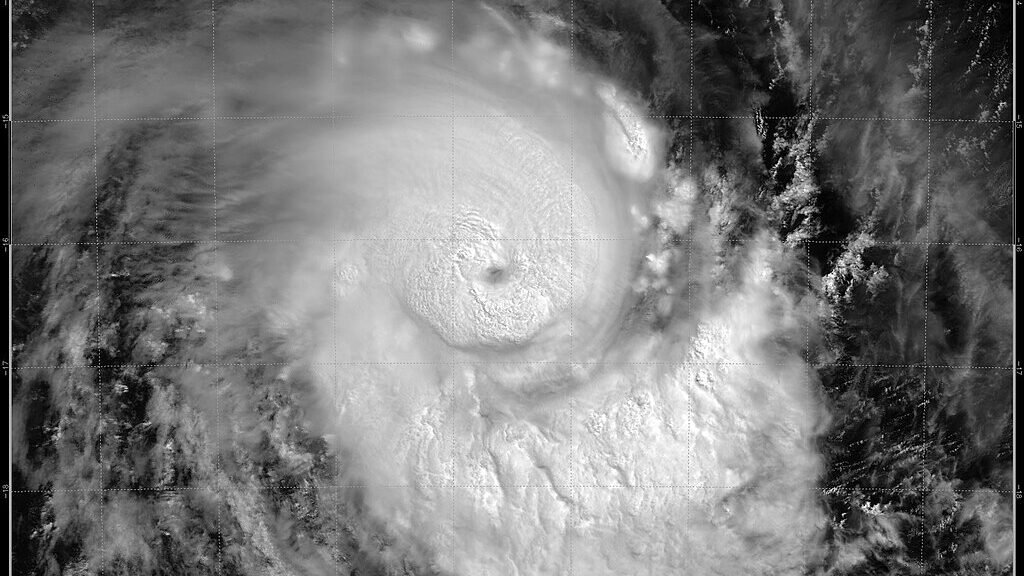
511,287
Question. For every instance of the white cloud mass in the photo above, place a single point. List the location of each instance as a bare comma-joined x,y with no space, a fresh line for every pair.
500,404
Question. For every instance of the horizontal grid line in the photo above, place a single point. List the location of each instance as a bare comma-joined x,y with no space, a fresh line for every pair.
449,239
273,487
839,118
285,117
496,363
553,115
910,243
319,240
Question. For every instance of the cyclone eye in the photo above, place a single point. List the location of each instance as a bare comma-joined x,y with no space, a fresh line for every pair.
496,275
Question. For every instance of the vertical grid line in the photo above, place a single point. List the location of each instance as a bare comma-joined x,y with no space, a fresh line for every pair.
574,509
98,376
335,492
95,142
930,47
1013,264
453,373
689,251
810,293
929,43
925,407
807,245
810,49
216,283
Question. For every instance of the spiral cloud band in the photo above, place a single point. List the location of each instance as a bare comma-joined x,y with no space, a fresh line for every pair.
498,401
507,287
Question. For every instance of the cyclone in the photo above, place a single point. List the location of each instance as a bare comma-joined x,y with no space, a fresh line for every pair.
510,288
473,331
499,222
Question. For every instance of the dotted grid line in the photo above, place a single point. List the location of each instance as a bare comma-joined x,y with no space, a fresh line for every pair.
446,239
499,363
812,293
575,511
216,287
522,116
810,99
452,294
810,44
928,171
807,247
929,43
335,492
695,487
364,115
1013,304
100,443
914,243
689,248
925,407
